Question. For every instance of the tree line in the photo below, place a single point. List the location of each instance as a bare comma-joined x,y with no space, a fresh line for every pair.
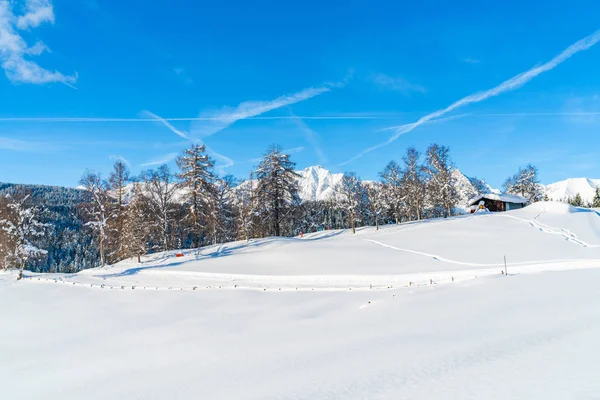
128,216
578,201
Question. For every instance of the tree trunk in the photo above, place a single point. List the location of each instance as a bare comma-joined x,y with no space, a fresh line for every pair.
102,258
276,216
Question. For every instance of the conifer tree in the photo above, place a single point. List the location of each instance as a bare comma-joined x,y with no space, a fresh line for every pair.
276,191
136,227
117,184
198,180
596,199
577,201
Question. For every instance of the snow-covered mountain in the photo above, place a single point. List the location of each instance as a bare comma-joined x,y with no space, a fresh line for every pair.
569,188
317,183
466,190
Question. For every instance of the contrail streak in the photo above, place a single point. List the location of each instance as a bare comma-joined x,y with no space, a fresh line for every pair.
83,119
511,84
445,119
332,117
166,124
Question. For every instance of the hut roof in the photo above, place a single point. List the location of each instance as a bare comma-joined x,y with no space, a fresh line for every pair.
506,198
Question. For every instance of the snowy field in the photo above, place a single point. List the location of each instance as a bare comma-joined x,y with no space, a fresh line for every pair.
416,311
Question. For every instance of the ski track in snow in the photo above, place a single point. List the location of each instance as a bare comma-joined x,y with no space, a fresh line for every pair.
535,223
435,257
158,276
198,281
470,264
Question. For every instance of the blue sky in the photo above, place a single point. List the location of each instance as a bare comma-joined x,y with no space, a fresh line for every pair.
85,82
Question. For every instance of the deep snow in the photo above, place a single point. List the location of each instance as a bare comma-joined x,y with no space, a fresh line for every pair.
416,311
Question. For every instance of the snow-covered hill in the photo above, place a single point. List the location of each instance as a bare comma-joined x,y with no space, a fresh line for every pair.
542,234
569,188
418,311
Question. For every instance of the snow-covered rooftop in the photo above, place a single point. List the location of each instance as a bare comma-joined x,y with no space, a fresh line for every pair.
507,198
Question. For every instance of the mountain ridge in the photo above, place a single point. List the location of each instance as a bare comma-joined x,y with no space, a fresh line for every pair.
317,183
569,188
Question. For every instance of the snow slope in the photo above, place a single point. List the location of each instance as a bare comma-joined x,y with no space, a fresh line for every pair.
414,311
569,188
544,236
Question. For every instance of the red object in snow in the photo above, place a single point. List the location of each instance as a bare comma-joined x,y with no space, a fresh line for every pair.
301,234
179,255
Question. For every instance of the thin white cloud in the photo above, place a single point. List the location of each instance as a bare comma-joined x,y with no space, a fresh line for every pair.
470,60
293,150
219,120
340,84
37,49
36,13
253,160
120,158
287,117
511,84
397,84
224,161
312,138
435,121
162,160
14,48
26,146
221,162
188,119
165,123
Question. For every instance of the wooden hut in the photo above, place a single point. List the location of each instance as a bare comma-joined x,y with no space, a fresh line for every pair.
499,202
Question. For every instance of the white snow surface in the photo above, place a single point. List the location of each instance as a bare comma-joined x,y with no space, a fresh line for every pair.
412,311
564,190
